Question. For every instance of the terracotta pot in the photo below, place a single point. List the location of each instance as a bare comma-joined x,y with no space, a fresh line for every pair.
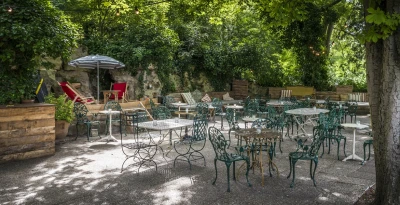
62,127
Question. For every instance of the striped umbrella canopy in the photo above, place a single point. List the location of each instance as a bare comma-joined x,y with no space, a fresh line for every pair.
96,61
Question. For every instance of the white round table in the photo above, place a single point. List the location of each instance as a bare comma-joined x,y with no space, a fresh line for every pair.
179,104
354,126
234,107
109,138
308,112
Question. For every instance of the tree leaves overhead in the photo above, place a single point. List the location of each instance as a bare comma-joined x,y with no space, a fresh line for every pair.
273,43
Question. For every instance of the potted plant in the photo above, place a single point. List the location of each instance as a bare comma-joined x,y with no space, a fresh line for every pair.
27,88
64,113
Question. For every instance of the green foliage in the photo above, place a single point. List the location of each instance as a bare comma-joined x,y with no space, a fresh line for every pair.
64,107
223,40
347,57
306,38
382,24
16,85
33,31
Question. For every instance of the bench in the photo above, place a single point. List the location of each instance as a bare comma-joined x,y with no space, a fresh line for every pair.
301,91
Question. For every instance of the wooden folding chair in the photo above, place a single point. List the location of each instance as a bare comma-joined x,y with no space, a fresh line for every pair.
74,94
123,94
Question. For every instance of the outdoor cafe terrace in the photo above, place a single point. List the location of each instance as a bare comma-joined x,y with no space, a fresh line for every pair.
90,172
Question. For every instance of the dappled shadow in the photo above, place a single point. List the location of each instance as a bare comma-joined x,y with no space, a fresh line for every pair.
84,172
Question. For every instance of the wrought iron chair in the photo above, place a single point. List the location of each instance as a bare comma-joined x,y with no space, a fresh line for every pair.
218,111
251,109
202,109
306,152
190,146
160,112
114,105
140,149
351,111
232,119
167,102
333,131
368,143
220,145
81,117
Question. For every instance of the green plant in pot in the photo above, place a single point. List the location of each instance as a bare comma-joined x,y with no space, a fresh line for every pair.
28,91
64,113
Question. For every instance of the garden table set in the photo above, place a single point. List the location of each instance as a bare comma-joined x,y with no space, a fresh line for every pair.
148,143
258,141
309,114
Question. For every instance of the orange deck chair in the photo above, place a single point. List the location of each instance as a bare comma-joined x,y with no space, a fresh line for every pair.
74,94
123,94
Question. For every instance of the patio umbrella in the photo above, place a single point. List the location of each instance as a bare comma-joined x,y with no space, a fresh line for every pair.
96,61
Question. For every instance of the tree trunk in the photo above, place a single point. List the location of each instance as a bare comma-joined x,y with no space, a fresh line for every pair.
383,77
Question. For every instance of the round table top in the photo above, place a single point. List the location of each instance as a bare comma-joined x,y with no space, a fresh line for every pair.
250,119
306,111
252,133
281,103
234,106
133,109
354,125
178,103
109,111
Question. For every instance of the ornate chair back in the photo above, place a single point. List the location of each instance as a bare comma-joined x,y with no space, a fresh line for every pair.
200,125
251,108
217,104
168,100
219,143
80,111
202,109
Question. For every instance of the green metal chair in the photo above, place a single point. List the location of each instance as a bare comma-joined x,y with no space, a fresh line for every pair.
368,143
251,109
114,105
140,149
333,132
190,146
161,112
81,117
218,111
351,111
220,146
201,109
306,152
232,119
167,102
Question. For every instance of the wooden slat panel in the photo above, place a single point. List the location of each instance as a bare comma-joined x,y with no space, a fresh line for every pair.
26,148
27,155
16,133
26,111
5,142
27,116
13,125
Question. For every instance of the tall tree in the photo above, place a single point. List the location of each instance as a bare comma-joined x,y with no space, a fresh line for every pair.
383,77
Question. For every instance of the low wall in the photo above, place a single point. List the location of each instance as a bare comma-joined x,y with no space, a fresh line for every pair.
275,92
178,96
301,91
26,131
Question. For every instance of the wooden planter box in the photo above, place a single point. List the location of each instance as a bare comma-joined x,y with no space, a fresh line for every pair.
26,131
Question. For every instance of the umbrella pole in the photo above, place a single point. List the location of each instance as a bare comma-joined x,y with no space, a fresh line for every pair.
98,83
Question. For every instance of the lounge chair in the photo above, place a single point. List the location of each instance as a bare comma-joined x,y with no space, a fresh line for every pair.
123,94
74,94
